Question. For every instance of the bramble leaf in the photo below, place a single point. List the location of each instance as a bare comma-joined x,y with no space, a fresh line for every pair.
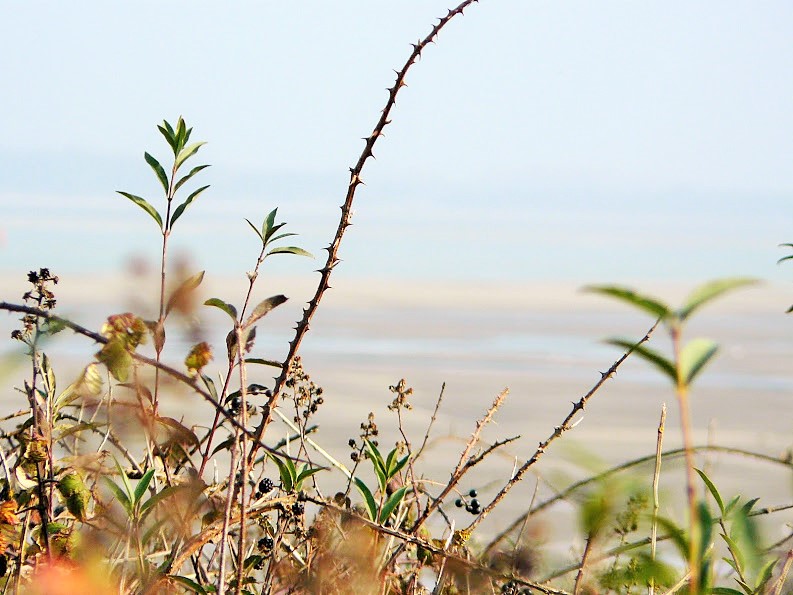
227,308
263,308
180,293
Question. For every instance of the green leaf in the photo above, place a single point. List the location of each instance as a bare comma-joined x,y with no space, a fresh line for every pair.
186,287
647,303
764,575
258,233
168,134
263,308
164,493
710,291
267,225
305,474
725,591
647,354
142,486
371,505
158,169
263,362
181,208
119,493
287,475
389,462
141,202
227,308
712,489
737,553
181,134
290,250
186,153
281,236
189,175
398,467
694,356
190,584
392,503
116,358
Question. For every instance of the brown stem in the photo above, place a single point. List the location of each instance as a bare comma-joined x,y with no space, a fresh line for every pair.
345,220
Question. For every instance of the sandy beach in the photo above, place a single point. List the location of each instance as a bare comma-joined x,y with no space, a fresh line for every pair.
542,341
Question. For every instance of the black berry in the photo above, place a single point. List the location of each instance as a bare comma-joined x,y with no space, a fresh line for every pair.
298,508
458,503
472,493
265,543
266,485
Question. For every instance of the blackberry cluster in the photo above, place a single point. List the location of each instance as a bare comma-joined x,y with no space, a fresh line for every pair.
473,506
265,487
265,544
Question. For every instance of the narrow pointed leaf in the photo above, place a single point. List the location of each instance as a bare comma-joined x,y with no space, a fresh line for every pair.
283,471
143,204
263,308
186,153
186,287
256,229
168,127
168,137
649,355
189,175
158,169
389,462
649,304
290,250
227,308
143,485
710,291
371,505
181,134
764,575
304,475
122,498
712,489
267,225
164,493
694,356
374,454
181,208
392,503
293,472
188,583
281,236
400,464
263,362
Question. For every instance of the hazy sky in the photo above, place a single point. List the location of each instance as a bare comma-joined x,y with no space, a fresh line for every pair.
592,141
